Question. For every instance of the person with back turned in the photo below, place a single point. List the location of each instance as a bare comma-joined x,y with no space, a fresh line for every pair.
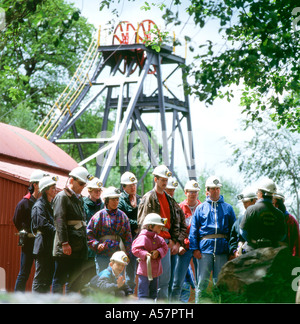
22,221
263,225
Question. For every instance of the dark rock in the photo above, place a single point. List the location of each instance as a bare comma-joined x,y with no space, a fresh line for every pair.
260,276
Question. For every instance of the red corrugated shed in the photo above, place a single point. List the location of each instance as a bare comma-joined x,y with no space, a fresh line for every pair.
21,152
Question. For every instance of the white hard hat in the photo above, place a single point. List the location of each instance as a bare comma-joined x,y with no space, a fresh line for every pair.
162,171
267,185
111,192
120,256
247,194
46,182
128,178
154,219
279,195
95,183
192,185
172,183
213,182
37,175
81,173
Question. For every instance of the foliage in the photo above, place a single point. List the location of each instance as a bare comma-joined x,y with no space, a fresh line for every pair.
272,154
260,54
41,46
22,117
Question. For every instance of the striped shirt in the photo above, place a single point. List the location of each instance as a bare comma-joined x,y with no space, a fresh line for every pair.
109,222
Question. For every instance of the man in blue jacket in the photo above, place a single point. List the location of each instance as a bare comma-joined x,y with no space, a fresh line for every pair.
209,234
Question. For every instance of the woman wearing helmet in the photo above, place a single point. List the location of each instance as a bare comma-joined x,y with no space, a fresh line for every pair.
43,226
108,230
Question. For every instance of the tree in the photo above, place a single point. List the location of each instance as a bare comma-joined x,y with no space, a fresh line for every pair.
41,46
272,154
260,53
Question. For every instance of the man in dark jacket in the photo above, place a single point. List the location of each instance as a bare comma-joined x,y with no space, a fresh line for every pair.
70,242
22,221
263,224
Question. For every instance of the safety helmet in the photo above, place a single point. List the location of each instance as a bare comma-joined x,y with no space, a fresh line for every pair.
120,256
81,173
111,192
162,171
213,182
154,219
279,195
95,183
172,183
192,185
267,185
37,175
47,181
247,194
128,178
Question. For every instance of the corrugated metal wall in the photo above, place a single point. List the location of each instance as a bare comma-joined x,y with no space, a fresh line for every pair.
11,193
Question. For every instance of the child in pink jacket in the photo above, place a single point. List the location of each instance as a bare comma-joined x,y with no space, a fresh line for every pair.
150,248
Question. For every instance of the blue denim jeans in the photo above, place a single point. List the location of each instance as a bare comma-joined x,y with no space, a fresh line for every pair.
147,288
182,265
164,278
206,265
25,269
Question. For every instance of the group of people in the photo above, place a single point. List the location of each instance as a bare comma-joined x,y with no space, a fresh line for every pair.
113,239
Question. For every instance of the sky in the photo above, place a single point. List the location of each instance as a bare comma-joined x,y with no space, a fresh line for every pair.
210,125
